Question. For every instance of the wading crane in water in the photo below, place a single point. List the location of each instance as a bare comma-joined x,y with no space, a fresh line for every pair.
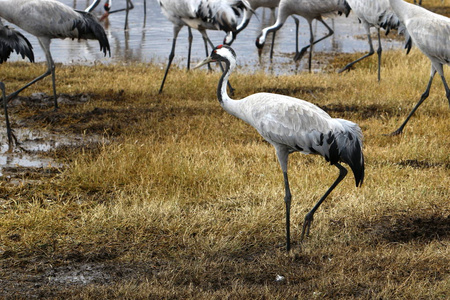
50,19
293,125
255,4
310,10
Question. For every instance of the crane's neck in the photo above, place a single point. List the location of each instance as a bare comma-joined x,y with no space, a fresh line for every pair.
222,94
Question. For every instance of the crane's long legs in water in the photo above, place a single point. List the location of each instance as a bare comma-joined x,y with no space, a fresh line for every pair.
302,52
176,30
310,216
371,52
423,97
45,44
190,38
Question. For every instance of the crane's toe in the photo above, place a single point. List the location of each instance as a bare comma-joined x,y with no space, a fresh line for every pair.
306,225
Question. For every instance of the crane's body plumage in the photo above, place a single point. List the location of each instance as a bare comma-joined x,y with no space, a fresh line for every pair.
373,13
310,10
430,32
201,15
294,125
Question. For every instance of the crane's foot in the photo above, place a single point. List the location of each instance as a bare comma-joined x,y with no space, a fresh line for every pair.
346,68
11,96
306,225
299,55
13,142
395,133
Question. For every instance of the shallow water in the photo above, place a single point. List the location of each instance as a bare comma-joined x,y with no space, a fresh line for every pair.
150,40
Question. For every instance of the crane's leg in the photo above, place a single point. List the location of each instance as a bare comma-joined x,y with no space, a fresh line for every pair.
379,55
272,17
310,216
176,30
311,42
272,45
206,40
422,98
447,89
45,44
282,155
302,52
190,37
297,25
145,12
9,133
371,52
287,201
129,7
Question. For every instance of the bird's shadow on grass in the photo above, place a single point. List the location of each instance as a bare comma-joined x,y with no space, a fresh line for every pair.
406,228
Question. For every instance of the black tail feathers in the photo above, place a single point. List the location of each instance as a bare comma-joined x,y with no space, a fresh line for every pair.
89,28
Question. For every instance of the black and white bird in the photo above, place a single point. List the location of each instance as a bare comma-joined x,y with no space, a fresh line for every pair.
310,10
201,15
430,32
293,125
11,41
255,4
50,19
108,5
373,13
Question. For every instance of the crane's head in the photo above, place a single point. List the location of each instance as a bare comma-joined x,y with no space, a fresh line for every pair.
260,41
219,53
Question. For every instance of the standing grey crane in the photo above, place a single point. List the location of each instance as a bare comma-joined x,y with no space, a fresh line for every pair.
430,32
10,41
50,19
107,6
272,4
200,15
310,10
373,13
293,125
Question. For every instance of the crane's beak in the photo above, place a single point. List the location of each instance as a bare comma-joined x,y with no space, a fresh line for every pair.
204,62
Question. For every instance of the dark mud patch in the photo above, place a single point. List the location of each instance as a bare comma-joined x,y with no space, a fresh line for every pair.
47,280
423,164
43,100
405,229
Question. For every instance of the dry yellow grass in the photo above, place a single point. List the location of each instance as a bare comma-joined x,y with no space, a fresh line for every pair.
185,201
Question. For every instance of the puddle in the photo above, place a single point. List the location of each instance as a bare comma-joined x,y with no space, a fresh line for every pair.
33,144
